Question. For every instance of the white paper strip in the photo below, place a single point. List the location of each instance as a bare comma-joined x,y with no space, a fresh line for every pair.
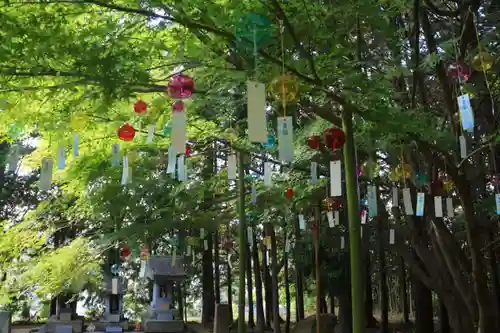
335,179
420,203
172,160
125,170
205,244
497,200
285,139
463,146
75,145
179,132
342,242
231,167
302,222
361,230
229,261
115,154
61,158
372,200
395,197
287,245
337,217
363,216
194,258
202,233
268,174
250,235
13,158
450,211
114,286
188,251
256,112
391,236
174,257
314,173
269,245
253,196
466,113
407,201
438,206
46,174
331,220
151,133
181,169
142,272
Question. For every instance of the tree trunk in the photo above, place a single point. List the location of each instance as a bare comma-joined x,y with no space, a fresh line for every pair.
230,290
208,301
267,288
370,320
299,278
384,303
274,279
287,291
242,230
404,291
424,316
444,323
495,282
331,298
217,267
251,320
261,320
345,304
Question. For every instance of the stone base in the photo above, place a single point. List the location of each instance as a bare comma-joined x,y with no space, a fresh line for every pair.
164,326
77,325
102,324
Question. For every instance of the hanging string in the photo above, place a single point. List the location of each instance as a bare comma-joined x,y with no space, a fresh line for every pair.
481,59
283,84
255,53
403,167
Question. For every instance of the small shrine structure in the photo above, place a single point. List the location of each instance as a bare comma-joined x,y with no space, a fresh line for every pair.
167,273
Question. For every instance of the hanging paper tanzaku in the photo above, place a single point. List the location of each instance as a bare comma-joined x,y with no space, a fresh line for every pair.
13,158
438,206
450,211
172,159
331,219
407,201
466,113
46,174
335,179
302,222
372,200
75,144
420,203
392,236
231,167
181,169
179,132
256,112
151,133
125,172
285,139
314,173
115,157
463,146
497,201
268,174
61,158
395,196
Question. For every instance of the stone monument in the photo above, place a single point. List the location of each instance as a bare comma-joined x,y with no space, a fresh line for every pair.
167,273
115,287
65,319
